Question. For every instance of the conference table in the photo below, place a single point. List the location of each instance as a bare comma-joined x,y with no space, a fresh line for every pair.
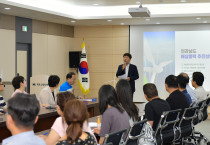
46,119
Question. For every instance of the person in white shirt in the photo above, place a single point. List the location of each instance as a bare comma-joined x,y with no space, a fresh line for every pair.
48,94
197,82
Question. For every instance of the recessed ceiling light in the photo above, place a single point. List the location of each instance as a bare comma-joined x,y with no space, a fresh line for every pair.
7,8
137,3
73,21
109,20
183,1
204,21
122,23
198,18
147,19
95,4
157,22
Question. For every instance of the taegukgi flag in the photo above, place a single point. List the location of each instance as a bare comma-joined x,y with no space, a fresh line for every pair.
84,79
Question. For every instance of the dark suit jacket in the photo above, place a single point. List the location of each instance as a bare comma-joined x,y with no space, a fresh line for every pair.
132,73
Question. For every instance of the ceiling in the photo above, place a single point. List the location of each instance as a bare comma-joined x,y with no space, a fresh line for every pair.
109,12
129,2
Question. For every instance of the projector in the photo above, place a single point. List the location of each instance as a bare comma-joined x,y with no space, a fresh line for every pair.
139,12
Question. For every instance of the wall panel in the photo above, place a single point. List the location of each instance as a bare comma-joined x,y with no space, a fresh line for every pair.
51,55
40,27
93,31
120,45
40,54
7,22
7,54
105,46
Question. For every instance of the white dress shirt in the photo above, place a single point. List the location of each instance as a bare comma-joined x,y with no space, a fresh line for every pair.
201,94
46,97
127,69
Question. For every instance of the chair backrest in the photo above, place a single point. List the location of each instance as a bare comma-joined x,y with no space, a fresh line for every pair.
165,132
114,138
193,104
186,122
199,112
205,109
135,132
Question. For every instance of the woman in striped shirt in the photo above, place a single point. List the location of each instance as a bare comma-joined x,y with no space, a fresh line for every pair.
2,102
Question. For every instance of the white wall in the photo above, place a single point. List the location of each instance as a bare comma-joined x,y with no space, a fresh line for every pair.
50,55
7,54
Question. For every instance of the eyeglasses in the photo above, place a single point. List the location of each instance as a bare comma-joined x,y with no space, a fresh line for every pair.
2,85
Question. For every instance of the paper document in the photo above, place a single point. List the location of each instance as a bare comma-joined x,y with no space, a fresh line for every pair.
88,100
123,76
92,124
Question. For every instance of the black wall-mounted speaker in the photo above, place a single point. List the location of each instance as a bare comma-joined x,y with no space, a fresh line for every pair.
74,59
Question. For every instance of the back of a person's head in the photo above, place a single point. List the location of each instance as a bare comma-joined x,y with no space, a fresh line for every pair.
198,77
124,95
171,81
186,76
63,97
75,114
150,90
107,96
127,54
23,109
16,81
53,80
69,75
182,81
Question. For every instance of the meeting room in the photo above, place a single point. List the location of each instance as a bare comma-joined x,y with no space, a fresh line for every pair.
104,72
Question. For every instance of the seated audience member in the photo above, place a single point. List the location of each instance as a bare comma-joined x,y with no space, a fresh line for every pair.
23,112
182,87
155,107
70,80
124,95
48,94
2,102
114,117
176,99
59,127
19,84
197,82
189,89
75,114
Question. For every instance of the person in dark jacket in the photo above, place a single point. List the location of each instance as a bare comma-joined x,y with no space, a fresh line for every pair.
129,70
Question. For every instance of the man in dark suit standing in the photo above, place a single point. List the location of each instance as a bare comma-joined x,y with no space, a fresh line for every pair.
129,69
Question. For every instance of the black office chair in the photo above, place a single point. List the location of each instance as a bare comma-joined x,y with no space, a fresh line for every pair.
166,130
202,115
185,126
193,104
199,112
135,133
115,138
205,110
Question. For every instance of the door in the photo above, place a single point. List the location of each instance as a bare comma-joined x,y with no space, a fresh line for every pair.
23,62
